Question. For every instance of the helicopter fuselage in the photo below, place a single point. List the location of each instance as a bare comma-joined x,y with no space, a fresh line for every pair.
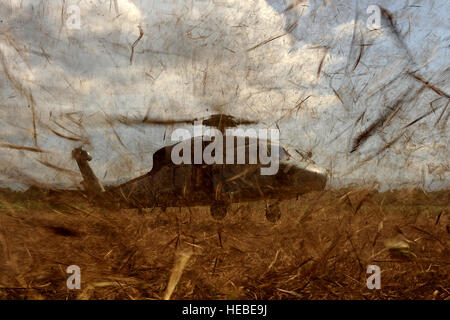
189,184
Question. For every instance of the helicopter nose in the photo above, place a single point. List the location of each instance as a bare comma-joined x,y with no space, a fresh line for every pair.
322,180
310,180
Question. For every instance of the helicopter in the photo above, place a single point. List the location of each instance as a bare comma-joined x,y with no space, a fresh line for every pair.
207,182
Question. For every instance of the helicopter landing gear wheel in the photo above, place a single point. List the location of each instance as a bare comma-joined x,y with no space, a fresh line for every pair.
273,212
218,210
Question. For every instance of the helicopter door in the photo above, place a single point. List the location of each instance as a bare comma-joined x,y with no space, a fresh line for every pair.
163,179
201,180
237,178
182,180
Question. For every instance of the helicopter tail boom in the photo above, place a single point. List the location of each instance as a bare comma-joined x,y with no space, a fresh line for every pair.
90,181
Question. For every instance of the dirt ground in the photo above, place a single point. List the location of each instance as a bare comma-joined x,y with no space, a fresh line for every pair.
320,249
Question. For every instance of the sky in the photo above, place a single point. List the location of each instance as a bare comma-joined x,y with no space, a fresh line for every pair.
313,69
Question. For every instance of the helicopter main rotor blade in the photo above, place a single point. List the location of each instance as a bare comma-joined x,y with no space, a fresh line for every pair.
146,120
225,121
216,120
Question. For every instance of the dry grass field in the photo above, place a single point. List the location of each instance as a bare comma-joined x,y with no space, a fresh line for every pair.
320,249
